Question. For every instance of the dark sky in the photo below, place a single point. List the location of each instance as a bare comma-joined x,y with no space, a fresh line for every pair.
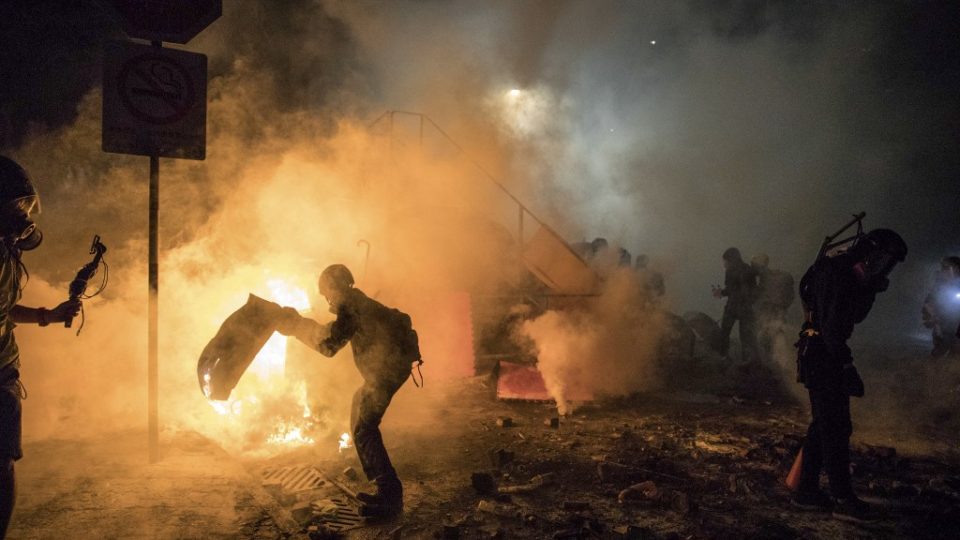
890,114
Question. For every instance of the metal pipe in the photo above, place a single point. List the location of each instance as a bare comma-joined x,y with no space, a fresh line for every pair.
153,283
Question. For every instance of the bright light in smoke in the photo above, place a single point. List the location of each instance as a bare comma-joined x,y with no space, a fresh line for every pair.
344,442
525,112
264,378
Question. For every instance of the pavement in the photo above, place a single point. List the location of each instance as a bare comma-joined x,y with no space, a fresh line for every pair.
104,487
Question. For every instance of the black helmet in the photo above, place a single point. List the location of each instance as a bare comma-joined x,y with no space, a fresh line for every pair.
884,240
15,183
732,255
335,277
879,250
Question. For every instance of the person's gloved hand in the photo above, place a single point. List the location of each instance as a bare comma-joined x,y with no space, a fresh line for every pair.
66,310
288,321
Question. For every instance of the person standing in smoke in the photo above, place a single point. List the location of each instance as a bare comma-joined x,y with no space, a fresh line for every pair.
18,233
837,293
941,308
740,290
384,348
774,296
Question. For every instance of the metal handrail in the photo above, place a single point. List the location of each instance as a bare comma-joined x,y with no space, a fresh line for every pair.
523,209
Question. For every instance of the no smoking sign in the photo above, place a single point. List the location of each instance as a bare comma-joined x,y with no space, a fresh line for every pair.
154,101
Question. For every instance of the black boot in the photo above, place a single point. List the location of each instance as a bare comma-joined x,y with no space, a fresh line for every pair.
386,502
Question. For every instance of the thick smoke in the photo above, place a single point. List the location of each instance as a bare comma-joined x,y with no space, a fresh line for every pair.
673,129
611,348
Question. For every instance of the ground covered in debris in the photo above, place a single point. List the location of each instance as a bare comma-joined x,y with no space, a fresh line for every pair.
671,464
668,465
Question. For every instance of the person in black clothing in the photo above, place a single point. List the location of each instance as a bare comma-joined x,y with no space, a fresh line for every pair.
837,293
740,289
384,347
18,233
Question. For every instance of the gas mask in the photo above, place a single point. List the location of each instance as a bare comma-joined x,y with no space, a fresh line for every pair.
877,265
16,225
33,240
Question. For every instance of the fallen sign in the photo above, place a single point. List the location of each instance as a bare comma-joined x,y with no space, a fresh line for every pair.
525,383
228,355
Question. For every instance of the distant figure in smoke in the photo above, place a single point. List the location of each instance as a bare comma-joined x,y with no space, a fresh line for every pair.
774,296
18,200
740,289
650,280
591,250
384,347
941,308
837,293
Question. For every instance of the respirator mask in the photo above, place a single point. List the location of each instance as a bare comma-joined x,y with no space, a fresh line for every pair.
16,225
877,266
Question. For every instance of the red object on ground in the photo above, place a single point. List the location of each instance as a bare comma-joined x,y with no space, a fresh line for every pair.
523,382
793,478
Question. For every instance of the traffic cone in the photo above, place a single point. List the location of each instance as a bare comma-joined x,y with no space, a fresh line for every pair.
793,478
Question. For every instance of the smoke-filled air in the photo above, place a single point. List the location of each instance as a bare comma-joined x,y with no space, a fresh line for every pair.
498,171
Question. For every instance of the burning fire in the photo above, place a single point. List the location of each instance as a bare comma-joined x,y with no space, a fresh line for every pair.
345,442
266,375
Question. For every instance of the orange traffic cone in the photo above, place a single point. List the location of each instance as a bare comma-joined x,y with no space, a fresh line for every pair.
793,478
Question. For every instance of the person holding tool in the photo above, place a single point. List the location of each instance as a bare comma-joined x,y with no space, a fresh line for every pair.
740,290
837,293
385,345
18,233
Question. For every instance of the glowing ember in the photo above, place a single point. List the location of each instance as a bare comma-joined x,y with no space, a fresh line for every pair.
290,435
344,442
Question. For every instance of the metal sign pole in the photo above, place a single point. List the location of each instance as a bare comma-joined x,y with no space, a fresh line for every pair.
153,283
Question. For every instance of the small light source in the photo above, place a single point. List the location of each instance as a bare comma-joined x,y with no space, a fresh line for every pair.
653,42
514,92
958,296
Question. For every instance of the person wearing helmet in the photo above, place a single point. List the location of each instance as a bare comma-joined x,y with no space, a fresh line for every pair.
941,308
18,233
740,290
384,347
774,297
837,293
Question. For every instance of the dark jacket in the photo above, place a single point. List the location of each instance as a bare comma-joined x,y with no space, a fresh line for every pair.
9,296
740,286
383,340
836,301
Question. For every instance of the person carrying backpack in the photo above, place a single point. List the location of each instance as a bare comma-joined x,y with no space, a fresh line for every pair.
384,347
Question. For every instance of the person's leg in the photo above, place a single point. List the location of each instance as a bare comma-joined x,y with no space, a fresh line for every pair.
370,404
812,451
8,494
726,326
10,448
836,429
748,336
